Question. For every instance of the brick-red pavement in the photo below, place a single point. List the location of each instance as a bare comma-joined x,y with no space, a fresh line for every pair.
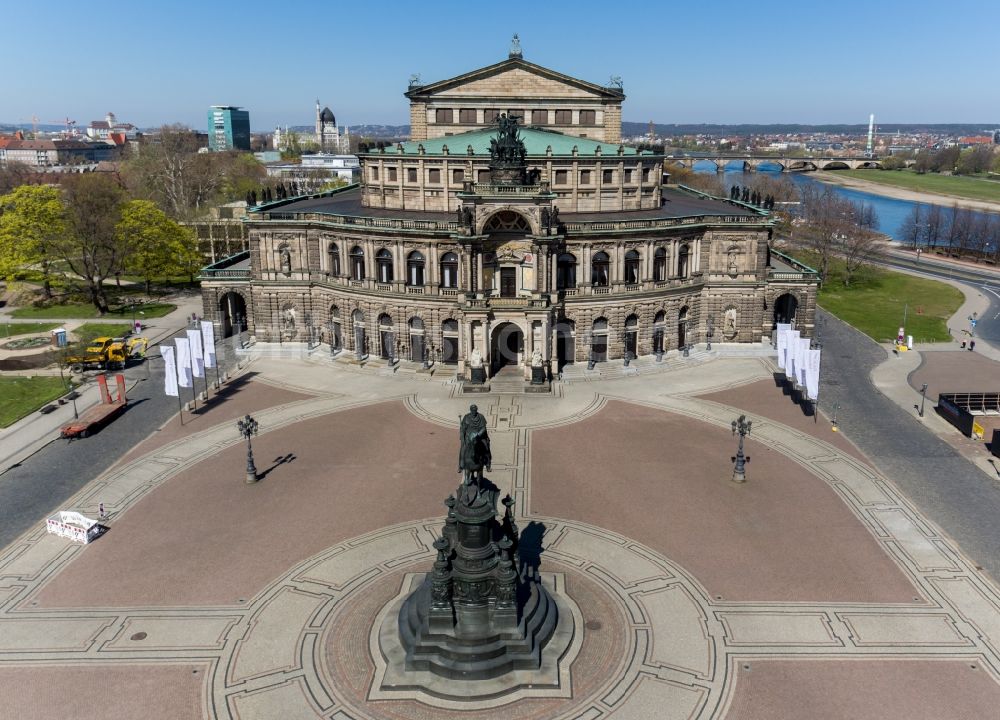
153,691
206,537
883,689
664,480
766,398
240,396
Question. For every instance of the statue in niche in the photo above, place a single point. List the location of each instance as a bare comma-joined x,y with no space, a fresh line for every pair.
729,323
474,450
288,320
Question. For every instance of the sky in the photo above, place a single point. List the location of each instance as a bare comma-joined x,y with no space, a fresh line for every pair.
712,61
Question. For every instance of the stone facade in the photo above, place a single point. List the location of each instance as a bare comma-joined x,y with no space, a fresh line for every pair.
542,97
591,258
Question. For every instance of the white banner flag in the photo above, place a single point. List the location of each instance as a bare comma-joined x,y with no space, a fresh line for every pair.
170,370
183,362
208,335
802,362
781,343
812,374
792,342
197,356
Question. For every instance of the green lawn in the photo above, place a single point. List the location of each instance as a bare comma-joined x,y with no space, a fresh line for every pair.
11,329
968,187
20,396
73,311
874,303
89,331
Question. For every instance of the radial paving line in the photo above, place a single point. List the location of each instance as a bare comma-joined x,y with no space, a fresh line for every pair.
682,647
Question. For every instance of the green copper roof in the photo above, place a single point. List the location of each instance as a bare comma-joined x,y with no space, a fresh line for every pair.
536,142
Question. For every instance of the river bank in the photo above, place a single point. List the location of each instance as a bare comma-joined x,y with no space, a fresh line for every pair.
902,193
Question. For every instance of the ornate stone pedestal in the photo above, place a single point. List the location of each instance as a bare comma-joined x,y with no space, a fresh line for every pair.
482,615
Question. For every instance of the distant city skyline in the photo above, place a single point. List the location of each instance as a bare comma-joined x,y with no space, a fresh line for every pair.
764,62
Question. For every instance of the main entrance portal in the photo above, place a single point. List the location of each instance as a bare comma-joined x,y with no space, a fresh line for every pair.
506,347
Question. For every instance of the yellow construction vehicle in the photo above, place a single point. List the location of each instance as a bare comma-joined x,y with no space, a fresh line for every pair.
107,353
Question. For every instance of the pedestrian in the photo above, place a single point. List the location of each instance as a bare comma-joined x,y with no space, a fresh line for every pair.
972,345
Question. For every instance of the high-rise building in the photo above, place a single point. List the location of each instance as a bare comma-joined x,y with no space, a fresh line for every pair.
228,128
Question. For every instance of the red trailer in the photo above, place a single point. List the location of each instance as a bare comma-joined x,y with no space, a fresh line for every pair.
99,415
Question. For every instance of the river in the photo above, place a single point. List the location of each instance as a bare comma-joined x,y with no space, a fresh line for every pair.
891,212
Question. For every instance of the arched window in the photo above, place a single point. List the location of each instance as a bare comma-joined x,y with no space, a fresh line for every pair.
357,263
632,335
600,275
334,255
632,267
415,268
449,341
565,272
449,270
683,261
660,264
383,260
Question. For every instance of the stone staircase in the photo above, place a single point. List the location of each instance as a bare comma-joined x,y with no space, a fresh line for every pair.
509,380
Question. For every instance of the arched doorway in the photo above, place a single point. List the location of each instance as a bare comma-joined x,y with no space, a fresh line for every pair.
387,337
416,339
682,323
632,336
659,332
565,342
449,341
233,309
506,347
599,340
336,339
358,321
785,307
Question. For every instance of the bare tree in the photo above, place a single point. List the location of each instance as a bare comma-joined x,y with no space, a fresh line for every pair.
858,249
912,228
935,225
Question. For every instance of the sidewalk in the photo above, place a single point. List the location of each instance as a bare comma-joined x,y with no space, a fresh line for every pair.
891,378
34,431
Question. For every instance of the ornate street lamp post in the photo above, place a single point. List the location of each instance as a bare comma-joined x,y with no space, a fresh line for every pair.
248,427
742,426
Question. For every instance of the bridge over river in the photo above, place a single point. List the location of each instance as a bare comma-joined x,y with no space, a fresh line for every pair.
786,163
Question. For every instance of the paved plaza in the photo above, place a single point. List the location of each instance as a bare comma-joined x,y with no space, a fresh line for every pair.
816,584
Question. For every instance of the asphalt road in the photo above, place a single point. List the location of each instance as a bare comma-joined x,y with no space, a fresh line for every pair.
946,487
41,484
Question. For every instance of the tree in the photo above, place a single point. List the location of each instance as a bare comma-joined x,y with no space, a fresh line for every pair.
184,181
912,227
858,249
32,219
151,240
91,245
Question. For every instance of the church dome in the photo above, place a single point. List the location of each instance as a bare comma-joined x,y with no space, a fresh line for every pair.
327,116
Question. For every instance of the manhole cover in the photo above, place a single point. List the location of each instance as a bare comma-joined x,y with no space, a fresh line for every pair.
138,636
592,624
